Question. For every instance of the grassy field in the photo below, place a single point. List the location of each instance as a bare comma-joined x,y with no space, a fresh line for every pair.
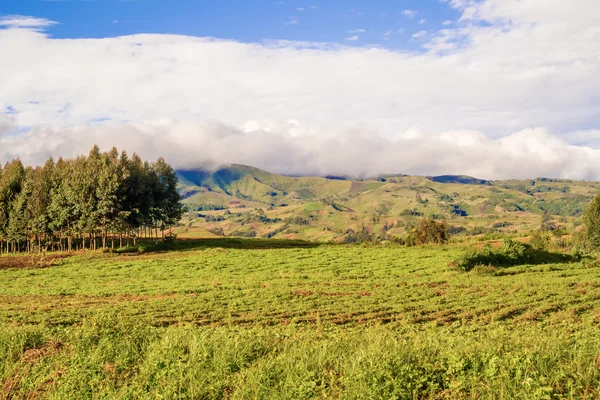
272,319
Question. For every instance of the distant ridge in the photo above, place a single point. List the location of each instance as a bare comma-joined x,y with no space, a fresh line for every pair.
240,200
462,179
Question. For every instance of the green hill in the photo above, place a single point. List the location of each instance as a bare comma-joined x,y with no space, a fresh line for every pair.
240,200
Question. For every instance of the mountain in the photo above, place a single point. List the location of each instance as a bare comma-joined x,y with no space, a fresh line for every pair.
240,200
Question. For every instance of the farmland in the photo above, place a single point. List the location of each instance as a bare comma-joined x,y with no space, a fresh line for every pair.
235,318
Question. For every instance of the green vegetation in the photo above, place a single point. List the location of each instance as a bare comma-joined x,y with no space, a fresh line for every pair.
511,253
76,203
433,294
592,223
430,231
334,207
235,318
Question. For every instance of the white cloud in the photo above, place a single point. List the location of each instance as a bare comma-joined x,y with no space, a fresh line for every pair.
352,38
422,21
409,13
387,34
313,7
419,34
447,22
292,21
20,21
529,65
294,148
7,123
299,9
357,31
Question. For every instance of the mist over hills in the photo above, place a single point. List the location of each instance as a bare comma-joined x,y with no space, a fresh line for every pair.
240,200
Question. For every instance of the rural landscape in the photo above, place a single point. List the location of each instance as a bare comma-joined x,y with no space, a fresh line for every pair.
300,199
266,286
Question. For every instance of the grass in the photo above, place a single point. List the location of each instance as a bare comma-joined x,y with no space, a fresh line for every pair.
254,319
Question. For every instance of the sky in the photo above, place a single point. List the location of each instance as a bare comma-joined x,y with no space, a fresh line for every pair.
489,88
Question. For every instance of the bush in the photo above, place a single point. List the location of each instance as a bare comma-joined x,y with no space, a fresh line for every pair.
539,241
250,233
501,224
430,231
358,237
412,213
511,253
170,237
456,230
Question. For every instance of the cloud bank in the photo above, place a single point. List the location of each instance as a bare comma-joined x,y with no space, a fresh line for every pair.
296,149
511,90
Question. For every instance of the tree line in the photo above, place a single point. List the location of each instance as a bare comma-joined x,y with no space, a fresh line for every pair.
105,199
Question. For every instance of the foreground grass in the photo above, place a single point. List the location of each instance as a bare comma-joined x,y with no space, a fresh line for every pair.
325,322
110,357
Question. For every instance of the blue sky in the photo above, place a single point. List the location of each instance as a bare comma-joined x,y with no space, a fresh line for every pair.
385,22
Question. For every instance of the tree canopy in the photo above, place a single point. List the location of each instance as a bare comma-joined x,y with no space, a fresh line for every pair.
591,219
430,231
86,200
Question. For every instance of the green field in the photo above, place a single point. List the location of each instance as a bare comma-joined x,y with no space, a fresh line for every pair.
251,319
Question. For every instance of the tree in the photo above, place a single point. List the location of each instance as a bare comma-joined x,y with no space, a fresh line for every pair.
430,231
36,207
108,190
61,208
169,200
10,187
99,196
591,220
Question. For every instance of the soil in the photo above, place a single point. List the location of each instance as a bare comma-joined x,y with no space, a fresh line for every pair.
30,261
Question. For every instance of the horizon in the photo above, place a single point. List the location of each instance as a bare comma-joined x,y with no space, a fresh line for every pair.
490,89
384,175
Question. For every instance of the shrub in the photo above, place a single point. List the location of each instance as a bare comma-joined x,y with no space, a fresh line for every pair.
430,231
413,213
456,230
170,237
539,241
501,224
511,253
358,237
251,233
515,252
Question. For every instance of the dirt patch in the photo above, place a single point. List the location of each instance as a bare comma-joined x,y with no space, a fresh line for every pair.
141,297
32,356
357,187
10,388
28,262
301,292
342,294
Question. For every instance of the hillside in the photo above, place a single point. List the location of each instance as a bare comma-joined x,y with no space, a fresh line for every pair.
245,201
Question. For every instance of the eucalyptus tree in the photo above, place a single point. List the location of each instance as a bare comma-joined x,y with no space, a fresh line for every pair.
73,203
10,187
